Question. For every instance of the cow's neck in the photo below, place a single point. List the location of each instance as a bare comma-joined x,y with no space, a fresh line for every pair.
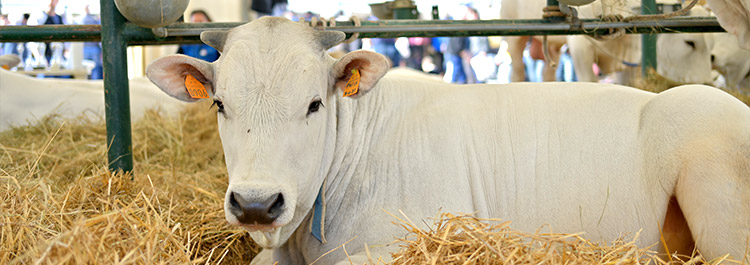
360,124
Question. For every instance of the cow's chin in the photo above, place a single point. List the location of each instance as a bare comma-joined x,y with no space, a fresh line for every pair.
267,237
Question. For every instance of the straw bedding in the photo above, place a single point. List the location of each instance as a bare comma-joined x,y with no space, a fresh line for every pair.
60,205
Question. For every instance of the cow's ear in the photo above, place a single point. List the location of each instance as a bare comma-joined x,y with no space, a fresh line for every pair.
371,67
169,73
9,61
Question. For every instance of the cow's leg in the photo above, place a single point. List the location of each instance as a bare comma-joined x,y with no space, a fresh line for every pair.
583,58
714,194
516,45
265,257
553,49
696,140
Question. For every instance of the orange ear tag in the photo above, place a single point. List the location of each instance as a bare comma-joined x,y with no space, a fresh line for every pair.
195,88
352,87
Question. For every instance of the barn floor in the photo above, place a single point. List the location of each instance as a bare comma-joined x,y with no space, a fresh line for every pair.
60,205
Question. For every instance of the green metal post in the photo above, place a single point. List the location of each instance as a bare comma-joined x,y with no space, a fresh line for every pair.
116,95
648,41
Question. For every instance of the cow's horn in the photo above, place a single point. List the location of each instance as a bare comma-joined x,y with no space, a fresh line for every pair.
329,38
215,38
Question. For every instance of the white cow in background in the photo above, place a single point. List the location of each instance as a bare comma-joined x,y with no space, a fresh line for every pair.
617,55
581,157
528,9
734,17
731,60
686,57
683,57
24,99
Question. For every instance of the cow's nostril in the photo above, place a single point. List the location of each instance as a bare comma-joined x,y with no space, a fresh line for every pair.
713,58
275,209
255,212
233,201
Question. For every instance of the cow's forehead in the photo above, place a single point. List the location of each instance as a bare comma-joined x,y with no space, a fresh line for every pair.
278,67
272,31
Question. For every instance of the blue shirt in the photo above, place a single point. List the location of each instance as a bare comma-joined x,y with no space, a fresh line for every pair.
200,51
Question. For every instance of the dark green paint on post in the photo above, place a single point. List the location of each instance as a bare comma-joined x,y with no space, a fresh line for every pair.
648,41
116,89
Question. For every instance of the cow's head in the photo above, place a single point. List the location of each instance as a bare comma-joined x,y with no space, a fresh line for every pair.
730,60
275,89
684,58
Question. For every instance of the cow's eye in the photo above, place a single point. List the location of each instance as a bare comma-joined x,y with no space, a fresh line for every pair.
314,106
690,43
219,106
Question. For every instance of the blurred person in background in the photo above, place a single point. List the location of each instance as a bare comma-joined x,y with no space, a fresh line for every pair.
565,71
200,51
458,55
416,50
4,21
386,47
49,17
15,47
92,50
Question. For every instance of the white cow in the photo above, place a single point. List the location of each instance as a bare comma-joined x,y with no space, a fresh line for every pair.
682,57
731,61
617,55
525,9
24,99
603,159
734,17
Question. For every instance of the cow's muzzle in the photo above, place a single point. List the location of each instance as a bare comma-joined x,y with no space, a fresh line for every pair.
255,212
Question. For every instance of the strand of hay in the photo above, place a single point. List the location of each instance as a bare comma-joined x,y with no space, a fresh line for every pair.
463,239
60,205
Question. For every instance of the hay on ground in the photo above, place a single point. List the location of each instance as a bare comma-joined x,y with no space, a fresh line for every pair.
463,239
60,205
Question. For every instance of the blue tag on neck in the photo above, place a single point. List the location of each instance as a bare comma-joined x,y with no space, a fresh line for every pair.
317,218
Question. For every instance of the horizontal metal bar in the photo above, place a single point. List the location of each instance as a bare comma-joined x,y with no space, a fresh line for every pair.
189,32
432,28
50,33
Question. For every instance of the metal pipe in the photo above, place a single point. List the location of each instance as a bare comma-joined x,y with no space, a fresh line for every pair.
50,33
648,41
189,32
116,95
435,28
